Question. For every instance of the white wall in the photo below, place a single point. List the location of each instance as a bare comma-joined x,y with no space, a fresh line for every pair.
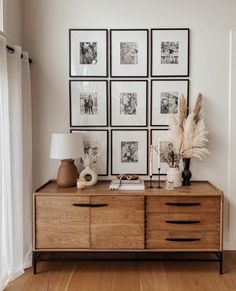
46,24
12,21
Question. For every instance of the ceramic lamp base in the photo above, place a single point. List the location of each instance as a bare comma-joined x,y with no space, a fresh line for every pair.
67,174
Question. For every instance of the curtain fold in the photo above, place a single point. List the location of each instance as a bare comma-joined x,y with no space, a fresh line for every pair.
15,164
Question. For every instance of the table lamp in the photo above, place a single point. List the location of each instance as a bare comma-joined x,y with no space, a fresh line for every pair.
67,147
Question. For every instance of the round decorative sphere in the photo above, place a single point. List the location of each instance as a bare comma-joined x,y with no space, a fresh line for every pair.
90,176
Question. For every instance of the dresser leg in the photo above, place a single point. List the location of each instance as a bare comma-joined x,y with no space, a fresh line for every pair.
34,262
221,258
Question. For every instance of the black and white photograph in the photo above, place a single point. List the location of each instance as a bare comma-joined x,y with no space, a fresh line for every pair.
131,99
129,52
88,52
165,94
88,103
170,52
166,147
96,142
129,151
128,103
169,102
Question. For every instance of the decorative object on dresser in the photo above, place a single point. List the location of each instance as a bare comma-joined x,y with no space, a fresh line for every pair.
129,52
189,135
170,52
88,52
98,220
66,147
88,174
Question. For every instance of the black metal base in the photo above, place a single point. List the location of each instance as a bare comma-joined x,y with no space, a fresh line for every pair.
138,256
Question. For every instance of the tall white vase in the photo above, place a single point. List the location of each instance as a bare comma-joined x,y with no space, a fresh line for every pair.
174,174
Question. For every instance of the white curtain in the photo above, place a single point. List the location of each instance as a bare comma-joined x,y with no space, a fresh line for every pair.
15,164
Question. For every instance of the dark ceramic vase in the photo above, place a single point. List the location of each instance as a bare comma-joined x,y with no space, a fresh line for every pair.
186,174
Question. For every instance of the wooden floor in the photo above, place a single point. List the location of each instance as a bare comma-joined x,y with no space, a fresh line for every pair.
129,276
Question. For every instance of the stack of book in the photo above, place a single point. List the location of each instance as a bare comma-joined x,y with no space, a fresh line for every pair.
127,184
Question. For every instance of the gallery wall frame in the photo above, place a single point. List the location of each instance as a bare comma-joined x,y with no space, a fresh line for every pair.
129,53
170,50
88,103
128,103
88,53
129,151
166,90
98,139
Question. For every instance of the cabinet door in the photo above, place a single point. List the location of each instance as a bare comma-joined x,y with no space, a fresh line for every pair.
118,223
61,223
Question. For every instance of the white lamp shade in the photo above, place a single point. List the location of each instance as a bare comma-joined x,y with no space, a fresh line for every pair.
66,146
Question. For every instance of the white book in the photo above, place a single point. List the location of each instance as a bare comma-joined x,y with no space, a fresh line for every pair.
122,186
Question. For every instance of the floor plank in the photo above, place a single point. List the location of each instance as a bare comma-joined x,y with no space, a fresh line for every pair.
129,276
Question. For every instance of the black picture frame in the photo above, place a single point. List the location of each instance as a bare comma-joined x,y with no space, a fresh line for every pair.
111,53
70,55
107,145
187,57
70,103
145,172
151,99
146,103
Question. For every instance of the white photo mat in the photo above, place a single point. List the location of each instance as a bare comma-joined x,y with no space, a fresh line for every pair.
129,53
164,135
88,53
88,103
98,141
165,96
128,103
170,52
129,152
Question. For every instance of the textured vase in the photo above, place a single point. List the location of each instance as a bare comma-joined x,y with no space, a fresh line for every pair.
186,174
174,174
89,175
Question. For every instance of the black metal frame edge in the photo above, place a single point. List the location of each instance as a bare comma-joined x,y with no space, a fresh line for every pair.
147,105
135,29
219,257
70,103
147,154
188,56
107,65
108,150
151,98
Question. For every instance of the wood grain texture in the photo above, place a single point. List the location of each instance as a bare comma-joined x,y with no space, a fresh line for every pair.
59,224
207,240
199,188
129,276
120,224
206,204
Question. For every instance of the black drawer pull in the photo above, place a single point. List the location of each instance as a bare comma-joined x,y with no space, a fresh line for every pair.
182,239
89,205
183,203
182,221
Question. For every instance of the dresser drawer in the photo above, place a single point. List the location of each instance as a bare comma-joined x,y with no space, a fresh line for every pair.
183,204
188,240
60,223
200,221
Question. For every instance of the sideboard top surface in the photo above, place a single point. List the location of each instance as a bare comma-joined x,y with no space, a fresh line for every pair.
197,188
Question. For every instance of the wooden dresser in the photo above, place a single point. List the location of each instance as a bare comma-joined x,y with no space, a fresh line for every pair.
187,219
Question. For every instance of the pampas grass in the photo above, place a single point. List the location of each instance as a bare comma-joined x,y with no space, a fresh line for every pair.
189,133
